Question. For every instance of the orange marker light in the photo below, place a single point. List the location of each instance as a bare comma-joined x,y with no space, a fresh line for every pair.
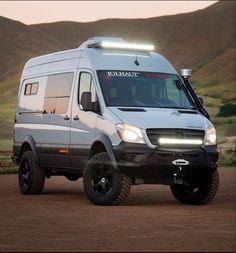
63,151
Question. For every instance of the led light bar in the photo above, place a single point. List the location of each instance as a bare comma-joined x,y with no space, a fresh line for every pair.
180,141
117,45
122,45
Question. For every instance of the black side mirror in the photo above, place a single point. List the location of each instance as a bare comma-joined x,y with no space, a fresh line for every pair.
201,99
86,101
178,84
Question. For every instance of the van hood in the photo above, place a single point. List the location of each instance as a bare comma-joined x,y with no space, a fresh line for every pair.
161,118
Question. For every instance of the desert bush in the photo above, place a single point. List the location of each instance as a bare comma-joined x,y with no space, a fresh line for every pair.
227,110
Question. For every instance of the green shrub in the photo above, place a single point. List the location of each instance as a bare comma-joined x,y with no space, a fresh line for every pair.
227,110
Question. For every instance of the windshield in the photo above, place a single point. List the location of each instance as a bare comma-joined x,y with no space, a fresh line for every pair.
143,89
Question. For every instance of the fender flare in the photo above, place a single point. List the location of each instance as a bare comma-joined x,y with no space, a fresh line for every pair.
30,141
105,140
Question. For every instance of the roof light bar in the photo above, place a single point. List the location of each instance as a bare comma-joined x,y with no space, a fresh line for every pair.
180,141
117,45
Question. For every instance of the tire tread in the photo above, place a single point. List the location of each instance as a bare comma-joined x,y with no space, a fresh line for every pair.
204,198
123,183
37,173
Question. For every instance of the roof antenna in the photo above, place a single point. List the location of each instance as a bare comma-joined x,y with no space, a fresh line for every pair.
136,59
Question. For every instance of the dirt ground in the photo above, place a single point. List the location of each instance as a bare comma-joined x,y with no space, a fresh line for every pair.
62,219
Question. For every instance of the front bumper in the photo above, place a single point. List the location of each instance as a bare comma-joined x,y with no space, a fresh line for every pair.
138,160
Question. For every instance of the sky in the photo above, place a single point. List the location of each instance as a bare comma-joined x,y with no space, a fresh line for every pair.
34,12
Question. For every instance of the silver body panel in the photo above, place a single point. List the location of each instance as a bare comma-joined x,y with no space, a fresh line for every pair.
53,130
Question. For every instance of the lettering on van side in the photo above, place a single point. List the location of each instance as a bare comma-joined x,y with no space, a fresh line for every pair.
122,73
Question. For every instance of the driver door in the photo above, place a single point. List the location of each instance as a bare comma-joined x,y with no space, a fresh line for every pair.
83,123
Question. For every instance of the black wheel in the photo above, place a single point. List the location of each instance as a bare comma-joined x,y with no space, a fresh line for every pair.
31,176
102,184
199,193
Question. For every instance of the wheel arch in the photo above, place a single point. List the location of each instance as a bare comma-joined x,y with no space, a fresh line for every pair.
29,144
103,144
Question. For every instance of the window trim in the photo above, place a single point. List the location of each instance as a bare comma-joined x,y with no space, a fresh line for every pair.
30,93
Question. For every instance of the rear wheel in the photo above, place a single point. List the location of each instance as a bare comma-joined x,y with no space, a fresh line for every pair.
199,193
31,176
102,184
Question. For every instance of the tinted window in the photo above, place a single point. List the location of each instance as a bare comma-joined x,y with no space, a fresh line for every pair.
27,89
143,89
32,95
31,89
59,85
34,88
86,84
62,104
50,105
57,94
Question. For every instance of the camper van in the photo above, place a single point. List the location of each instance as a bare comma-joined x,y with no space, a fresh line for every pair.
116,114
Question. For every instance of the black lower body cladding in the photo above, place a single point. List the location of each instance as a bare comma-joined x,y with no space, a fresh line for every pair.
138,160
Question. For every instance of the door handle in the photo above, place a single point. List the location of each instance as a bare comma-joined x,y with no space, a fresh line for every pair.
66,117
76,117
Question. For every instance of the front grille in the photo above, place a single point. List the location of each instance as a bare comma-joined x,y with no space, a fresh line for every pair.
154,134
166,158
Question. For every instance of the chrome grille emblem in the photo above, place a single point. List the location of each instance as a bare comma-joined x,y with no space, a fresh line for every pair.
179,135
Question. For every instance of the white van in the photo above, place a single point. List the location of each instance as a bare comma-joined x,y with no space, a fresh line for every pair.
116,114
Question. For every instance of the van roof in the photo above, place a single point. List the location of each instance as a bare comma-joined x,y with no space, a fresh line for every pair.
92,55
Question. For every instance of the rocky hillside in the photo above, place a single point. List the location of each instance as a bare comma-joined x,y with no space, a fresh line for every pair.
203,40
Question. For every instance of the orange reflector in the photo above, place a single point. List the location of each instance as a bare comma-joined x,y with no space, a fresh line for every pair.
63,151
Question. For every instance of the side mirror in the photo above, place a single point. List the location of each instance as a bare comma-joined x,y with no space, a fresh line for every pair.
186,73
201,99
86,102
178,84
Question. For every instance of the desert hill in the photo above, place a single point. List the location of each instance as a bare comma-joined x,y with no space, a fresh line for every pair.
203,40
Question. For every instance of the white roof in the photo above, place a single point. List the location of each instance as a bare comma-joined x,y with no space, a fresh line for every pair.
99,59
108,59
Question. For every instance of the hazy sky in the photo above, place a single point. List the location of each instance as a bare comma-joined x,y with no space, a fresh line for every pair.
32,12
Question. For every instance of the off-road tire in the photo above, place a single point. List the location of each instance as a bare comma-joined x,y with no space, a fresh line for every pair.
119,190
205,192
34,183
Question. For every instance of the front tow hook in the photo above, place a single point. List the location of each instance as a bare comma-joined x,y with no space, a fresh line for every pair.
179,176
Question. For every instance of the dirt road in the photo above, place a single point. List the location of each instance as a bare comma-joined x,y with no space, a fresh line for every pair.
62,219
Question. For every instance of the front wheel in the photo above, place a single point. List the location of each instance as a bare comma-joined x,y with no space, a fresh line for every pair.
102,184
198,193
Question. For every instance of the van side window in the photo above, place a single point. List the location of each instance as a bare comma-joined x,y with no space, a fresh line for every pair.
30,99
31,89
86,83
57,94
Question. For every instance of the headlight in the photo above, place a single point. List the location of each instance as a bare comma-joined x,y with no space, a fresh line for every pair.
210,138
130,133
